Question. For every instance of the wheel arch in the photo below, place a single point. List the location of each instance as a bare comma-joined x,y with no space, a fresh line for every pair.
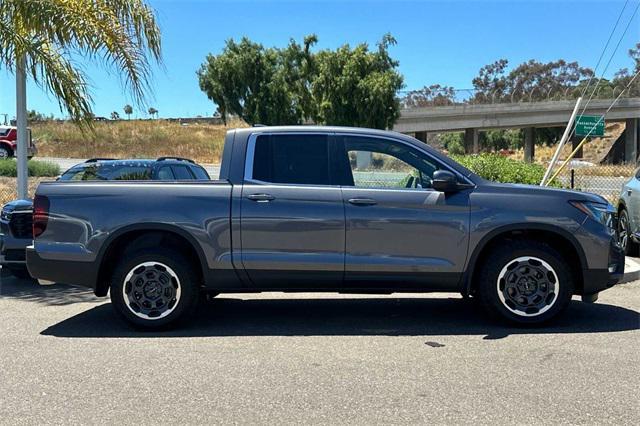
143,235
7,145
560,238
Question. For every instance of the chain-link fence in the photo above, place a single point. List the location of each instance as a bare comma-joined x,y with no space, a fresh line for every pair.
8,187
606,180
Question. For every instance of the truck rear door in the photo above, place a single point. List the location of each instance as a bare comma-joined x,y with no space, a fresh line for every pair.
292,214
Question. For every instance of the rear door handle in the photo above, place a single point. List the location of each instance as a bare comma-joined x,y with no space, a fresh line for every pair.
261,198
363,201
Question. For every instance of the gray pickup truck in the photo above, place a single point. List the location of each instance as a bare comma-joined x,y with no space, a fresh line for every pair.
325,209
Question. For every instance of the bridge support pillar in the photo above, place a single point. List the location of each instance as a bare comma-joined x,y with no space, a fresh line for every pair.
471,141
529,144
421,136
632,128
575,141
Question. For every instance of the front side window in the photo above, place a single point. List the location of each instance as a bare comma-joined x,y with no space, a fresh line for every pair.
165,173
292,159
384,163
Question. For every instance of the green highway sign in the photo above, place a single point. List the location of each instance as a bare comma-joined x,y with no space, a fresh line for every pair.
592,125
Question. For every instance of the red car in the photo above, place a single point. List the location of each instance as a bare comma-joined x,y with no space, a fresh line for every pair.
8,142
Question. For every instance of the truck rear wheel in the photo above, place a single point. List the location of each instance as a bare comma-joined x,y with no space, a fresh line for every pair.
154,288
525,282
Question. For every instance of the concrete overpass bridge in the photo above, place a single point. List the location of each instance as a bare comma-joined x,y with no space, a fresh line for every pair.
527,115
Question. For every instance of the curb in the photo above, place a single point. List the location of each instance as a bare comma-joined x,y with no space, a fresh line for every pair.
630,276
632,270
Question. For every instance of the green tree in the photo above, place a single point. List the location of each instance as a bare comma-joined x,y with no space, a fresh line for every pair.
623,77
254,82
271,86
434,95
357,87
153,112
119,34
529,81
115,115
128,110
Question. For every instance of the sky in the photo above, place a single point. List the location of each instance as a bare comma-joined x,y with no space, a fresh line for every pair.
443,42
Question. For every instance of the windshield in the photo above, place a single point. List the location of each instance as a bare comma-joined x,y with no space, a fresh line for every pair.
108,171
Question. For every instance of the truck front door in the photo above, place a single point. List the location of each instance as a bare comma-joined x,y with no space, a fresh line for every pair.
401,233
292,216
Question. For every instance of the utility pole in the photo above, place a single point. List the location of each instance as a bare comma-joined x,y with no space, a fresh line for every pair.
21,124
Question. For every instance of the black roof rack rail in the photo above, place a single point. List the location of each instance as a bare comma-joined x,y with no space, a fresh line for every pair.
176,158
95,160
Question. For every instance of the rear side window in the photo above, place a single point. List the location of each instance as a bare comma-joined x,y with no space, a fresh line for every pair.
201,174
182,173
294,159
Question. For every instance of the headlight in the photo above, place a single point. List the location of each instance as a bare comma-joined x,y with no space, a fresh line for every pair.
600,212
5,215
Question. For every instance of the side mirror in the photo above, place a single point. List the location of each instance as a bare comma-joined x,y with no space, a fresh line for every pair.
444,181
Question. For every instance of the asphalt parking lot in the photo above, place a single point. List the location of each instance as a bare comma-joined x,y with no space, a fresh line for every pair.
274,358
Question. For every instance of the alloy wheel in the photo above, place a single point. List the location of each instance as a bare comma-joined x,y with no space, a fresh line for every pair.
151,290
623,227
528,286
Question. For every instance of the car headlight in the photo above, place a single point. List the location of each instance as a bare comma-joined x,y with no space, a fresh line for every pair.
600,212
5,215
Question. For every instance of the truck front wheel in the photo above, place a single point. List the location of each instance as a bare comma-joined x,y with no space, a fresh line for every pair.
154,288
5,153
525,282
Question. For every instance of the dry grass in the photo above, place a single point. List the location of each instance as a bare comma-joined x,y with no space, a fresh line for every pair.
136,138
593,150
8,187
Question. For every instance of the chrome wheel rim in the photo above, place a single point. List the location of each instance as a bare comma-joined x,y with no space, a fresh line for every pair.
623,235
4,153
151,290
528,286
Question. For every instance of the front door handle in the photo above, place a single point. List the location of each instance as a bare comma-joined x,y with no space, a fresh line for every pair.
629,192
261,198
363,201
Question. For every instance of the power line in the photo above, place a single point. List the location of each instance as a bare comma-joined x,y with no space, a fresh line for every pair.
609,61
604,49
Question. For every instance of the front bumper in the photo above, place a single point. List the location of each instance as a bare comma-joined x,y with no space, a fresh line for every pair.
596,280
12,251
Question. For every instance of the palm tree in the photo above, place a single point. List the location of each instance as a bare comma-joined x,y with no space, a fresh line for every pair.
40,38
152,112
128,109
47,33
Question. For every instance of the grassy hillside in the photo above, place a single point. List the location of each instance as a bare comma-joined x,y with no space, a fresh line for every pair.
135,138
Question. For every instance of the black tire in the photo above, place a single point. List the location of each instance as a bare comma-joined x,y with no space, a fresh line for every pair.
629,246
169,270
516,283
21,273
5,153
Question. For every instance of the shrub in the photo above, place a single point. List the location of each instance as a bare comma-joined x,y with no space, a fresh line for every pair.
9,168
501,169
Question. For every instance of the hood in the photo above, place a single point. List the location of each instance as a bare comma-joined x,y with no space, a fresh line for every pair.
18,205
568,194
